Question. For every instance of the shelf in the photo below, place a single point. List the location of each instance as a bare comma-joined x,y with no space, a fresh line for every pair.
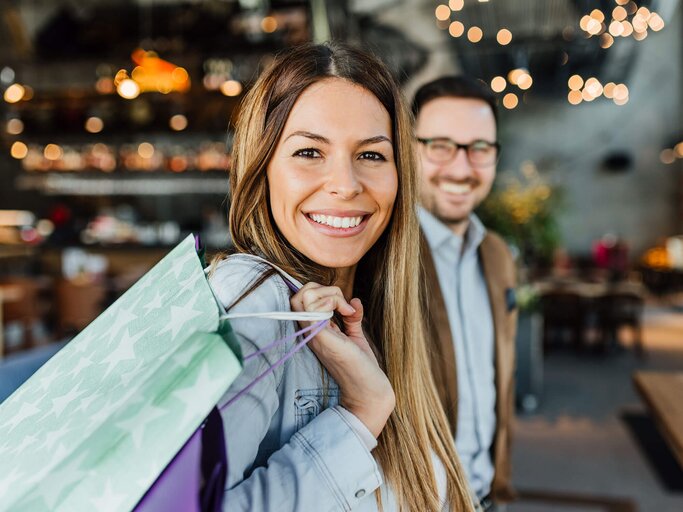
70,185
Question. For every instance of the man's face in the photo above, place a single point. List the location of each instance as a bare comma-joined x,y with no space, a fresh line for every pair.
451,190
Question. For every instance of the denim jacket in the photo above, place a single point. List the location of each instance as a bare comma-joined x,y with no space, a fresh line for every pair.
291,447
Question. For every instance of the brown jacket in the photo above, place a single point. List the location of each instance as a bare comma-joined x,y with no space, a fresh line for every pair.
499,272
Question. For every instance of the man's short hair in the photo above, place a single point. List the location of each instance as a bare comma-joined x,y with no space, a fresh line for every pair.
455,87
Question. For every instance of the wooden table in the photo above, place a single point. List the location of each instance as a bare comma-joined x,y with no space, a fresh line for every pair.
663,394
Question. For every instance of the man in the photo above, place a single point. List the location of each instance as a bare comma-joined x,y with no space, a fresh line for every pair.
470,279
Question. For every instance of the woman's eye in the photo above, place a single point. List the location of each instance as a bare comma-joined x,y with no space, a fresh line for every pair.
307,153
372,155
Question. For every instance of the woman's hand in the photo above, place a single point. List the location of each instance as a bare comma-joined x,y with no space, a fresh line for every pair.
348,357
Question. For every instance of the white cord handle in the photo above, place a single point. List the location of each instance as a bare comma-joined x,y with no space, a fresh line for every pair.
303,316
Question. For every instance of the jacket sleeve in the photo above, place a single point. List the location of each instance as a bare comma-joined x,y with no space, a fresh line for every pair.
324,466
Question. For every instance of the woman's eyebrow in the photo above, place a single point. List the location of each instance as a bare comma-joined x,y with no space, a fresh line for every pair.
375,140
309,135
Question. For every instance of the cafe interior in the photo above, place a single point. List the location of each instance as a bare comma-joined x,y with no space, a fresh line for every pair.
116,124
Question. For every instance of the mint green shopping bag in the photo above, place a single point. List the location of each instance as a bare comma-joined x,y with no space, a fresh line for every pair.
97,424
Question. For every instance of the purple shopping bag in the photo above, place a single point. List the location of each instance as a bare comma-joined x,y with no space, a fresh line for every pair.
194,480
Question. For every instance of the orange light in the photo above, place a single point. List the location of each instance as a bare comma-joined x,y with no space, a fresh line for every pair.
94,125
19,150
498,84
178,122
655,22
456,29
619,13
474,34
146,150
456,5
14,93
616,28
575,82
524,81
269,24
504,36
128,89
574,97
510,101
515,74
53,152
628,28
678,149
231,88
442,12
598,15
608,90
620,92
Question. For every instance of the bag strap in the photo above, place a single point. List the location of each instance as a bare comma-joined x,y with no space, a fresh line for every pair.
320,319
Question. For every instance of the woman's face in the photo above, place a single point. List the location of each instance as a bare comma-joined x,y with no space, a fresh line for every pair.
332,177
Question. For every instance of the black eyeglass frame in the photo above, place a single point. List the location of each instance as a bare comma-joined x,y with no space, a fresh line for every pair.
458,146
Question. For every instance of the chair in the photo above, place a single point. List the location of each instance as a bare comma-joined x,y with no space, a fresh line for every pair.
617,310
78,304
21,304
563,312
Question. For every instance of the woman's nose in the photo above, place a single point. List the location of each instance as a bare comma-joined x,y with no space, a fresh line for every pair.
343,181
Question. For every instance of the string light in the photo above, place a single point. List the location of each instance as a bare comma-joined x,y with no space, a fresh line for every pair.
510,101
442,12
14,93
474,34
456,29
504,37
19,150
94,124
575,82
574,97
498,84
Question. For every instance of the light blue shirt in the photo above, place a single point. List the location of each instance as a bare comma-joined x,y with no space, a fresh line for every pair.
465,294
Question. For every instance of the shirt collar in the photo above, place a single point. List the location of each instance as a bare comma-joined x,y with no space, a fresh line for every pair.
438,234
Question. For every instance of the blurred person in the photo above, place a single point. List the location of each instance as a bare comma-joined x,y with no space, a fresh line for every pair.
469,278
324,186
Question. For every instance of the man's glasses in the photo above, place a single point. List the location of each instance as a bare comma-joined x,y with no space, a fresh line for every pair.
480,153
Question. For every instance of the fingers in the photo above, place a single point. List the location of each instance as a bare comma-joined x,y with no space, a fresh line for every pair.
314,297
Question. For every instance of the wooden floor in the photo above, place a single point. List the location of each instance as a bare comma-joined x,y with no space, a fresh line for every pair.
575,453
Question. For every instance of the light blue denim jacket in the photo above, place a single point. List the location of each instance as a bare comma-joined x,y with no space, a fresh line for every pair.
290,446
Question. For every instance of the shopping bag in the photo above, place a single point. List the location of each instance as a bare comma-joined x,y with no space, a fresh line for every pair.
98,424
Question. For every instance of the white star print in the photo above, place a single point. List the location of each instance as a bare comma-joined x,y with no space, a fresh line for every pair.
109,500
60,403
123,351
26,411
154,304
180,316
195,410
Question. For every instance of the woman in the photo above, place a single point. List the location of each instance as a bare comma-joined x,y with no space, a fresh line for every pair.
323,186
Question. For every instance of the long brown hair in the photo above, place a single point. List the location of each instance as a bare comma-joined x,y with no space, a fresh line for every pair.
387,277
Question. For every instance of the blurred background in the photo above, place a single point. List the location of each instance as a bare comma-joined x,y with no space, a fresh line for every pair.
115,126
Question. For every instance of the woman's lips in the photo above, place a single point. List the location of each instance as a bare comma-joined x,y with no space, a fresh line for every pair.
321,221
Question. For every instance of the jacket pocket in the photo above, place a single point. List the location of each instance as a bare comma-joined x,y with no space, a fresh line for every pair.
308,403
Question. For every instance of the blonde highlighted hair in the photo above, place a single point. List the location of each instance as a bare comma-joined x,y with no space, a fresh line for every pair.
387,277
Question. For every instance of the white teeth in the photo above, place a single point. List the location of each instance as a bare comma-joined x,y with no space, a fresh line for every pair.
455,188
336,222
